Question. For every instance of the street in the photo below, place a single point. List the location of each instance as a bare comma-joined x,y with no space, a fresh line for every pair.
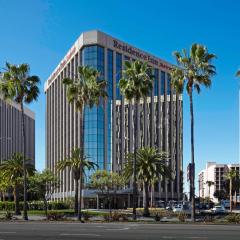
66,231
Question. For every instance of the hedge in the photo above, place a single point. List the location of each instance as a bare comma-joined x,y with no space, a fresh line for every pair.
36,205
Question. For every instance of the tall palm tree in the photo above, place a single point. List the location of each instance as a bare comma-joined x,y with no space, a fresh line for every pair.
135,84
85,90
230,176
13,171
150,165
78,163
195,70
18,85
209,184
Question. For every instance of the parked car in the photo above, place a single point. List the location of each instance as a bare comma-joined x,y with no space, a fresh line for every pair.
218,210
169,208
178,208
225,203
182,208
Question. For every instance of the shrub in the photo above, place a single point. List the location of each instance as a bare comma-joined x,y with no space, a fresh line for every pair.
182,216
55,216
124,217
107,217
157,217
58,205
116,216
8,215
233,218
86,216
9,206
208,218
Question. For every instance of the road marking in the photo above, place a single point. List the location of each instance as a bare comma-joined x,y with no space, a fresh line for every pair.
80,234
7,232
117,229
196,237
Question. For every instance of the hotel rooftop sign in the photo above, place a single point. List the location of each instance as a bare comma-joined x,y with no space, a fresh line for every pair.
100,38
136,53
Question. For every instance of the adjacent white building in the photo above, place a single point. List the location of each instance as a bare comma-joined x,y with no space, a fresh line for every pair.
216,173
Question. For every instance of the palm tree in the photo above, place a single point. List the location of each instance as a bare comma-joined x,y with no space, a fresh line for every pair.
135,84
230,176
13,171
150,165
85,90
18,85
78,163
195,70
209,184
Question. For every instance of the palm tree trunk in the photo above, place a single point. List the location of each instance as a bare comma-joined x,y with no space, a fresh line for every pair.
145,200
192,179
208,197
82,154
80,196
25,216
16,200
134,167
230,194
76,195
235,199
152,193
45,207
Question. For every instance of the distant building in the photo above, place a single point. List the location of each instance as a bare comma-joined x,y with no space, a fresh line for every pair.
11,130
216,173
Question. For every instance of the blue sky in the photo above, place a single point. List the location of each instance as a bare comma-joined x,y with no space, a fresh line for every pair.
40,32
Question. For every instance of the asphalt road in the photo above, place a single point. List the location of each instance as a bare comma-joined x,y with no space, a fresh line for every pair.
69,231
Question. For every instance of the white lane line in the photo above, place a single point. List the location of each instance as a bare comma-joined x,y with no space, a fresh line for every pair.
80,234
117,229
7,232
196,237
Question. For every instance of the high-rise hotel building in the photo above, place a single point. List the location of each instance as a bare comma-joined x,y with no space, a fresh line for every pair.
11,130
109,129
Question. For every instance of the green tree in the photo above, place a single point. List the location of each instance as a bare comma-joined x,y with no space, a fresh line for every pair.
209,184
136,83
108,183
18,85
43,184
195,70
231,175
150,165
4,186
13,171
78,163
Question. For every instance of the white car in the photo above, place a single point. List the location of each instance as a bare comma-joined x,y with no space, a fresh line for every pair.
182,208
218,209
178,208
